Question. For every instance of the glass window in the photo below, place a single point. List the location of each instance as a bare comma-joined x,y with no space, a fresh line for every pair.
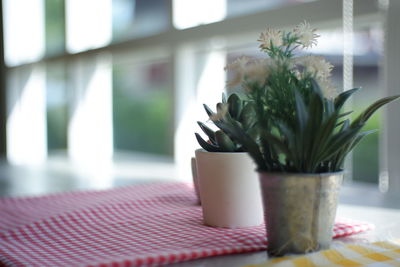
55,27
238,7
89,24
142,108
56,107
191,13
26,120
138,18
90,124
367,57
23,31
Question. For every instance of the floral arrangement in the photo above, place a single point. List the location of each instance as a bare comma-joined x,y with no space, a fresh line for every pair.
300,124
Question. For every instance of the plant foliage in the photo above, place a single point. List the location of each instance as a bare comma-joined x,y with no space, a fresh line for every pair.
240,112
300,124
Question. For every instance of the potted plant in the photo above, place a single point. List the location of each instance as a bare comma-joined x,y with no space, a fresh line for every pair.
303,137
228,185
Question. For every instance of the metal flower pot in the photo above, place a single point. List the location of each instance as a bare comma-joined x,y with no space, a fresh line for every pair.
299,210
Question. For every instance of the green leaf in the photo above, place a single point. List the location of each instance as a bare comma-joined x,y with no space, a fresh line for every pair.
205,145
219,107
208,110
316,88
235,106
291,141
277,142
366,114
346,125
210,133
322,138
329,107
316,110
341,99
224,98
339,161
287,134
340,140
233,129
344,114
224,142
360,136
301,112
248,116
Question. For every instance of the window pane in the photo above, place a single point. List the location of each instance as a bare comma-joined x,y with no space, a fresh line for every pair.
138,18
89,24
142,108
238,7
57,108
367,57
191,13
90,124
23,31
26,115
55,27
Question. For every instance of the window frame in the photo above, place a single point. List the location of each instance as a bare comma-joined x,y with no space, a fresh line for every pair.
233,30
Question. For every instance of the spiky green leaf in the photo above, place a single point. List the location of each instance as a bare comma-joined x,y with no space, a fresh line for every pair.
341,99
367,113
210,133
224,142
235,106
205,145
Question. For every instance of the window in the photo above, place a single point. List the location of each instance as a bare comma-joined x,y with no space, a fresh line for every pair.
131,77
138,18
56,107
142,107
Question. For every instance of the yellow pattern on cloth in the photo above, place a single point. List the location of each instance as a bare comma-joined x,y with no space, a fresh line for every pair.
376,254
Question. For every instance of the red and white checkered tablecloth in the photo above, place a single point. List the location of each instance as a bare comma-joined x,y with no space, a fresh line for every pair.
150,224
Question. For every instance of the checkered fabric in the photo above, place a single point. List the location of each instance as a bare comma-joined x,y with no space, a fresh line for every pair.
378,254
149,224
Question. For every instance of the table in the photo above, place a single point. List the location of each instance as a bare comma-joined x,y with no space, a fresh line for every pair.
21,182
387,222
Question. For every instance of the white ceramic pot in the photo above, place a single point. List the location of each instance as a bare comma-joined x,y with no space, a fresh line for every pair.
195,179
229,189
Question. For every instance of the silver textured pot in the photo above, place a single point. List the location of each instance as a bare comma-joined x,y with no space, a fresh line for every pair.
300,210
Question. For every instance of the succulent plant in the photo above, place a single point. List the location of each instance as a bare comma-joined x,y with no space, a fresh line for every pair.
237,110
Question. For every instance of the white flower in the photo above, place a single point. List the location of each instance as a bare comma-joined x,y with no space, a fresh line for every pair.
270,36
328,89
239,63
248,70
238,67
298,74
320,69
307,36
257,71
221,113
316,65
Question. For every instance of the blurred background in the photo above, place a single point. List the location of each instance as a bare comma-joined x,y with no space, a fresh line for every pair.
98,93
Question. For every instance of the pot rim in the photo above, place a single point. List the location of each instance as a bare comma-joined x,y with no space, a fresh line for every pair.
202,150
341,172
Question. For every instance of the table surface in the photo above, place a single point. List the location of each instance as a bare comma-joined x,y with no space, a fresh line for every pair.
359,202
387,223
